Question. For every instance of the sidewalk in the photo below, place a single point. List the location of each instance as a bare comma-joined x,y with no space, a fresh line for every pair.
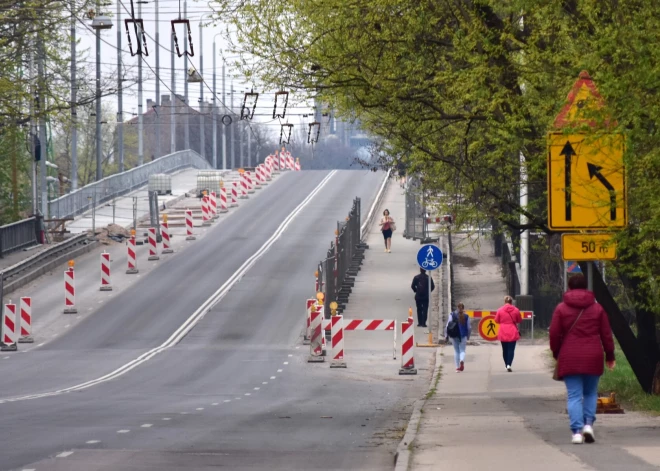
486,418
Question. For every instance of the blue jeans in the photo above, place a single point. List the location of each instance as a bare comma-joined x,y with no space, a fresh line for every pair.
459,349
582,398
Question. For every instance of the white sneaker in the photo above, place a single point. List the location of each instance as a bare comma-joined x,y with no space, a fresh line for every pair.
508,368
588,434
578,439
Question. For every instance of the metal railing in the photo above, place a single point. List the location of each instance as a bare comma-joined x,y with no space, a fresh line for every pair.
416,227
18,235
81,200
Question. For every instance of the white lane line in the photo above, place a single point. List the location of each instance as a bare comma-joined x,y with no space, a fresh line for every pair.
93,442
227,400
123,431
265,382
165,418
146,425
196,316
279,371
200,408
183,413
286,362
290,356
297,348
64,454
41,344
28,469
248,394
273,377
215,403
67,326
6,358
257,389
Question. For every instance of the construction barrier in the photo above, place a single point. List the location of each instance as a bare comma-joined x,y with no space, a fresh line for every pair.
250,183
244,186
289,161
316,341
9,328
206,217
308,320
282,162
297,165
269,169
366,324
223,200
153,244
213,206
257,178
25,323
234,194
165,234
408,348
70,292
337,339
106,285
132,259
189,225
483,314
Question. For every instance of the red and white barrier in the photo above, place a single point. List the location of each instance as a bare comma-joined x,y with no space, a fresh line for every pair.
244,186
206,217
189,225
264,174
269,168
365,324
25,324
316,340
289,161
165,234
9,328
282,163
213,206
308,320
234,194
132,257
106,285
250,183
153,244
275,161
257,178
337,339
297,165
223,200
408,348
70,292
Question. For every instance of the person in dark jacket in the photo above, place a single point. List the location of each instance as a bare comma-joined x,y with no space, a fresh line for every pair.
579,333
420,285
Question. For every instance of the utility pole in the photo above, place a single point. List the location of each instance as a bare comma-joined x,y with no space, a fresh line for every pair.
224,128
186,131
233,127
42,126
202,129
120,96
33,135
173,97
249,145
241,133
74,99
99,169
157,114
214,114
140,98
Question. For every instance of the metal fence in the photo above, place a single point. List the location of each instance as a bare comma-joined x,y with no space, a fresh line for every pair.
18,235
81,200
416,226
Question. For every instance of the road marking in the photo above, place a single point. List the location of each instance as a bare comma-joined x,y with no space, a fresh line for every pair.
6,358
93,442
227,400
279,371
64,454
183,413
66,326
237,398
257,389
41,344
273,377
28,469
215,403
123,431
166,418
146,425
297,348
247,394
200,408
265,382
286,362
290,356
196,316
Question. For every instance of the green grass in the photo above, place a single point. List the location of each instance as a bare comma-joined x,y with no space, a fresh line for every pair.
629,393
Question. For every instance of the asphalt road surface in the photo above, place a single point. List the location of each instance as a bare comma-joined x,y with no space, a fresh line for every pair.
235,392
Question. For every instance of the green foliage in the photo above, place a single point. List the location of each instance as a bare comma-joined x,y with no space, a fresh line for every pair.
623,382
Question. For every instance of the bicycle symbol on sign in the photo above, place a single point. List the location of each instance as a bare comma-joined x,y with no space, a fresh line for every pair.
430,261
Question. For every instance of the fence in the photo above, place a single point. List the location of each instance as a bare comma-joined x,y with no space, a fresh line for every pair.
81,200
416,227
18,235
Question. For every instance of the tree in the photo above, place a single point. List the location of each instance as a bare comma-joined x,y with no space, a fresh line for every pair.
458,89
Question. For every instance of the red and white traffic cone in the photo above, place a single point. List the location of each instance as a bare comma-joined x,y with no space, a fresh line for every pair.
257,177
316,341
337,339
223,200
9,328
153,244
206,218
408,348
269,170
275,163
234,194
282,162
308,321
189,225
70,292
250,183
244,186
297,165
25,324
106,285
264,174
132,257
213,206
289,161
165,234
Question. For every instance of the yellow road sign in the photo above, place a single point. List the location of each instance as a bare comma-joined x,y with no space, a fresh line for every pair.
588,247
586,182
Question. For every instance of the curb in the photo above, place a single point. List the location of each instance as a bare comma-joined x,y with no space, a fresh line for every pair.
403,452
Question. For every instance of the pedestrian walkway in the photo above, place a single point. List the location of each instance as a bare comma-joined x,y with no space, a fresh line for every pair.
487,418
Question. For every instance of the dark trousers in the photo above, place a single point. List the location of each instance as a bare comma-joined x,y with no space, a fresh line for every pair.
508,348
422,310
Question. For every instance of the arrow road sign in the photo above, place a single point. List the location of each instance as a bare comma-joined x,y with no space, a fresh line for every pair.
567,152
594,171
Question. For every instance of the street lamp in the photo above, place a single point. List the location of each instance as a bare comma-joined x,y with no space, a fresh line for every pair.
99,23
214,114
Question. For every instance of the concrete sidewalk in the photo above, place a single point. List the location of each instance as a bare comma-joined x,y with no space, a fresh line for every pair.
487,418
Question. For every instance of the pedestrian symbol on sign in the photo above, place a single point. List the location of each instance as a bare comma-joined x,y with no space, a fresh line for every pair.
429,257
488,328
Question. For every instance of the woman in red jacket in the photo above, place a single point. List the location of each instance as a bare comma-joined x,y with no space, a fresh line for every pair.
508,317
579,332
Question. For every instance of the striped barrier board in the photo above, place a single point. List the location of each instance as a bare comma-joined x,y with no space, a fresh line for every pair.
482,314
365,324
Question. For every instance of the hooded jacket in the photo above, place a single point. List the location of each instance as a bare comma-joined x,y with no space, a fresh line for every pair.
580,351
508,317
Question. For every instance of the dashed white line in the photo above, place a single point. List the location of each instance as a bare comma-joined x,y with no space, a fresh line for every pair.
257,389
28,469
41,344
215,403
92,442
286,362
166,418
273,377
297,348
227,400
265,382
290,356
200,408
146,425
66,326
123,431
64,454
279,371
247,394
183,413
6,358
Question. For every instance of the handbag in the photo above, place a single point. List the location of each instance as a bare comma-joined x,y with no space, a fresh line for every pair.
555,374
393,226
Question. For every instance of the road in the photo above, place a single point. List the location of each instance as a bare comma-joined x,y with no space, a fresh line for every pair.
236,391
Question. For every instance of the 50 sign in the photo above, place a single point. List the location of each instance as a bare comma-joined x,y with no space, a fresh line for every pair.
588,247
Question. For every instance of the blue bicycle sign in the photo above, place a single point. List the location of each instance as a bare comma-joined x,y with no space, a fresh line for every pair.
429,257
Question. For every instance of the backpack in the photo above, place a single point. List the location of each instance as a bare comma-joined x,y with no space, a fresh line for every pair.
453,330
422,286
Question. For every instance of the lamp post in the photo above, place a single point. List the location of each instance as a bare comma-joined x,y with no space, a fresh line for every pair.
215,114
99,23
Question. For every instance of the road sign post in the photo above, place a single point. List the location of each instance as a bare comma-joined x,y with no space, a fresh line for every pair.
429,257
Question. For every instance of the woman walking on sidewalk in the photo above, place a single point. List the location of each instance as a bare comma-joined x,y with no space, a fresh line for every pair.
387,226
458,329
579,332
508,317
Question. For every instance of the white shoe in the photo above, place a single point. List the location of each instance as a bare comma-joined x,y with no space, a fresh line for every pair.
578,439
588,434
508,368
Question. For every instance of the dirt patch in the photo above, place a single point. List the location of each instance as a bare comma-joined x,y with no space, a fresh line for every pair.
464,260
111,233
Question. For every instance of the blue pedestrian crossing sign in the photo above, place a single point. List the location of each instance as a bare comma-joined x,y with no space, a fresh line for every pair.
429,257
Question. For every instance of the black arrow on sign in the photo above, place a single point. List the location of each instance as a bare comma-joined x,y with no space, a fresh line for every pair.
594,171
567,152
